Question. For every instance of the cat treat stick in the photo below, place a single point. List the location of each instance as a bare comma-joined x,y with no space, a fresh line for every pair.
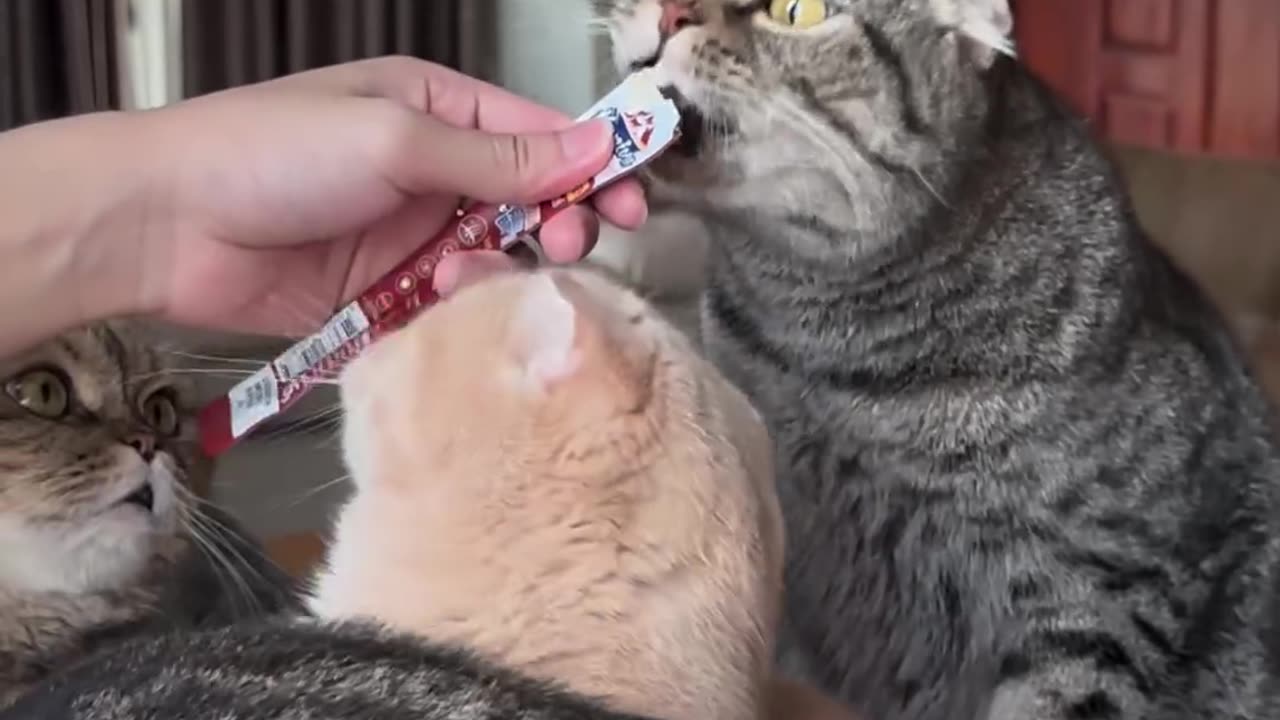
645,123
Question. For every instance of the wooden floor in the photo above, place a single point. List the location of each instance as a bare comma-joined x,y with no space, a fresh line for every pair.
297,553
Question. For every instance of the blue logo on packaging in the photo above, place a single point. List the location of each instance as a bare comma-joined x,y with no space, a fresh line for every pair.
511,220
625,147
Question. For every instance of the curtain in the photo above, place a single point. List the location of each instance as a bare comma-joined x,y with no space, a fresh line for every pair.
57,58
234,42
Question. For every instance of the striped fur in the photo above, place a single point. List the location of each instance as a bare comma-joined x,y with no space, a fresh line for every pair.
1024,470
297,669
80,566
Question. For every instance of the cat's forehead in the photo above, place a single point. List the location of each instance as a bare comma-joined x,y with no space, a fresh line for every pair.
111,347
101,360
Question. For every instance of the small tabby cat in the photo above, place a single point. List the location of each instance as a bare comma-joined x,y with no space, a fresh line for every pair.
96,524
1024,471
547,475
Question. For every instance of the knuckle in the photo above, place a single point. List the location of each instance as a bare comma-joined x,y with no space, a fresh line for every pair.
394,133
517,157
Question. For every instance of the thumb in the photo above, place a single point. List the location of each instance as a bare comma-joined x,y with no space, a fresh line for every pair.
528,167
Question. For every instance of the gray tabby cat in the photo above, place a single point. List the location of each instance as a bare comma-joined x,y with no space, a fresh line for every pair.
300,669
102,538
1024,470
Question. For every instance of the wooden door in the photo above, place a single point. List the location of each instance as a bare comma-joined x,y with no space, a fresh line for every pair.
1138,69
1245,101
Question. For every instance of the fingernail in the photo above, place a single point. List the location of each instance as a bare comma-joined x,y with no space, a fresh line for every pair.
585,138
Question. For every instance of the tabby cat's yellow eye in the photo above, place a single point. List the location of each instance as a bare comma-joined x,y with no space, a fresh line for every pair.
160,412
43,392
798,13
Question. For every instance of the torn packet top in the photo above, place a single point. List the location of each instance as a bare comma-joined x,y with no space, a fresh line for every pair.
645,123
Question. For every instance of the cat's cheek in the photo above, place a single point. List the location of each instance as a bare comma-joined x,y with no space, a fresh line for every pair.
635,34
358,453
360,440
679,65
370,371
360,389
164,481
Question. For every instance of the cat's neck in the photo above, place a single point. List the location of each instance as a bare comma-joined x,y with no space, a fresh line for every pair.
1032,218
42,618
40,631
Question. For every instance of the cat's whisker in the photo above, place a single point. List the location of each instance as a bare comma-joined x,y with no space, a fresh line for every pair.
819,133
246,579
219,572
319,489
255,362
331,440
329,416
991,37
795,114
229,373
929,186
308,313
205,527
202,535
202,525
599,26
198,501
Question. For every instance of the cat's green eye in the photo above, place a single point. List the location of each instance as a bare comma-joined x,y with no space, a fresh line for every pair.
161,413
798,14
43,392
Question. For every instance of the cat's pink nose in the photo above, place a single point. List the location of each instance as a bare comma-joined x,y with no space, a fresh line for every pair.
143,444
677,15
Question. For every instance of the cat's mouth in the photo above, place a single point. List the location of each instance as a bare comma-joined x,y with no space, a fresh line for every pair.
693,123
144,497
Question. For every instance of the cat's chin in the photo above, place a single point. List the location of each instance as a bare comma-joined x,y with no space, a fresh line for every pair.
105,552
676,173
697,160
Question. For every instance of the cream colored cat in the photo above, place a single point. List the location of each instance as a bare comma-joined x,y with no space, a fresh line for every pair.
548,473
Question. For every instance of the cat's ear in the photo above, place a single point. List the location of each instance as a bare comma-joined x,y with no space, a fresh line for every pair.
988,23
544,332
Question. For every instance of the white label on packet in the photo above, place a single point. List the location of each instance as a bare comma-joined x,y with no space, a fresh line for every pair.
640,114
253,400
306,354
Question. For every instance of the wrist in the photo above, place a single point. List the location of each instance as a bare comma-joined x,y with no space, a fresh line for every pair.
75,199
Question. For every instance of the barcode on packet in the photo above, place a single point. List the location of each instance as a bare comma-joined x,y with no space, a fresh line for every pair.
253,400
342,328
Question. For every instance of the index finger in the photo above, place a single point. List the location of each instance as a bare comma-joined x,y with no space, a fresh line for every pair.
462,101
447,94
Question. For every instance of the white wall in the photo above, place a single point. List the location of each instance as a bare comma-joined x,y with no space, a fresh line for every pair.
548,52
152,52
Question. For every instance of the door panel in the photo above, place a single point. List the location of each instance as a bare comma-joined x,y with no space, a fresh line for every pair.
1136,68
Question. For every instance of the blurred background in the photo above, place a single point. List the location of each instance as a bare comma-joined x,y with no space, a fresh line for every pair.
1185,93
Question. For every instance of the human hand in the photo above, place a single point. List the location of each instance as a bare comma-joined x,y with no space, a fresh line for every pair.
275,203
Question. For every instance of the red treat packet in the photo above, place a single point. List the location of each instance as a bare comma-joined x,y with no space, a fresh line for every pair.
645,123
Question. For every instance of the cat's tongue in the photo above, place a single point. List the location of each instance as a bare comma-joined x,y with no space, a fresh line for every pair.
645,123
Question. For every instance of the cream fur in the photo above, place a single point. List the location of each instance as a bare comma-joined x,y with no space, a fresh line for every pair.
548,473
